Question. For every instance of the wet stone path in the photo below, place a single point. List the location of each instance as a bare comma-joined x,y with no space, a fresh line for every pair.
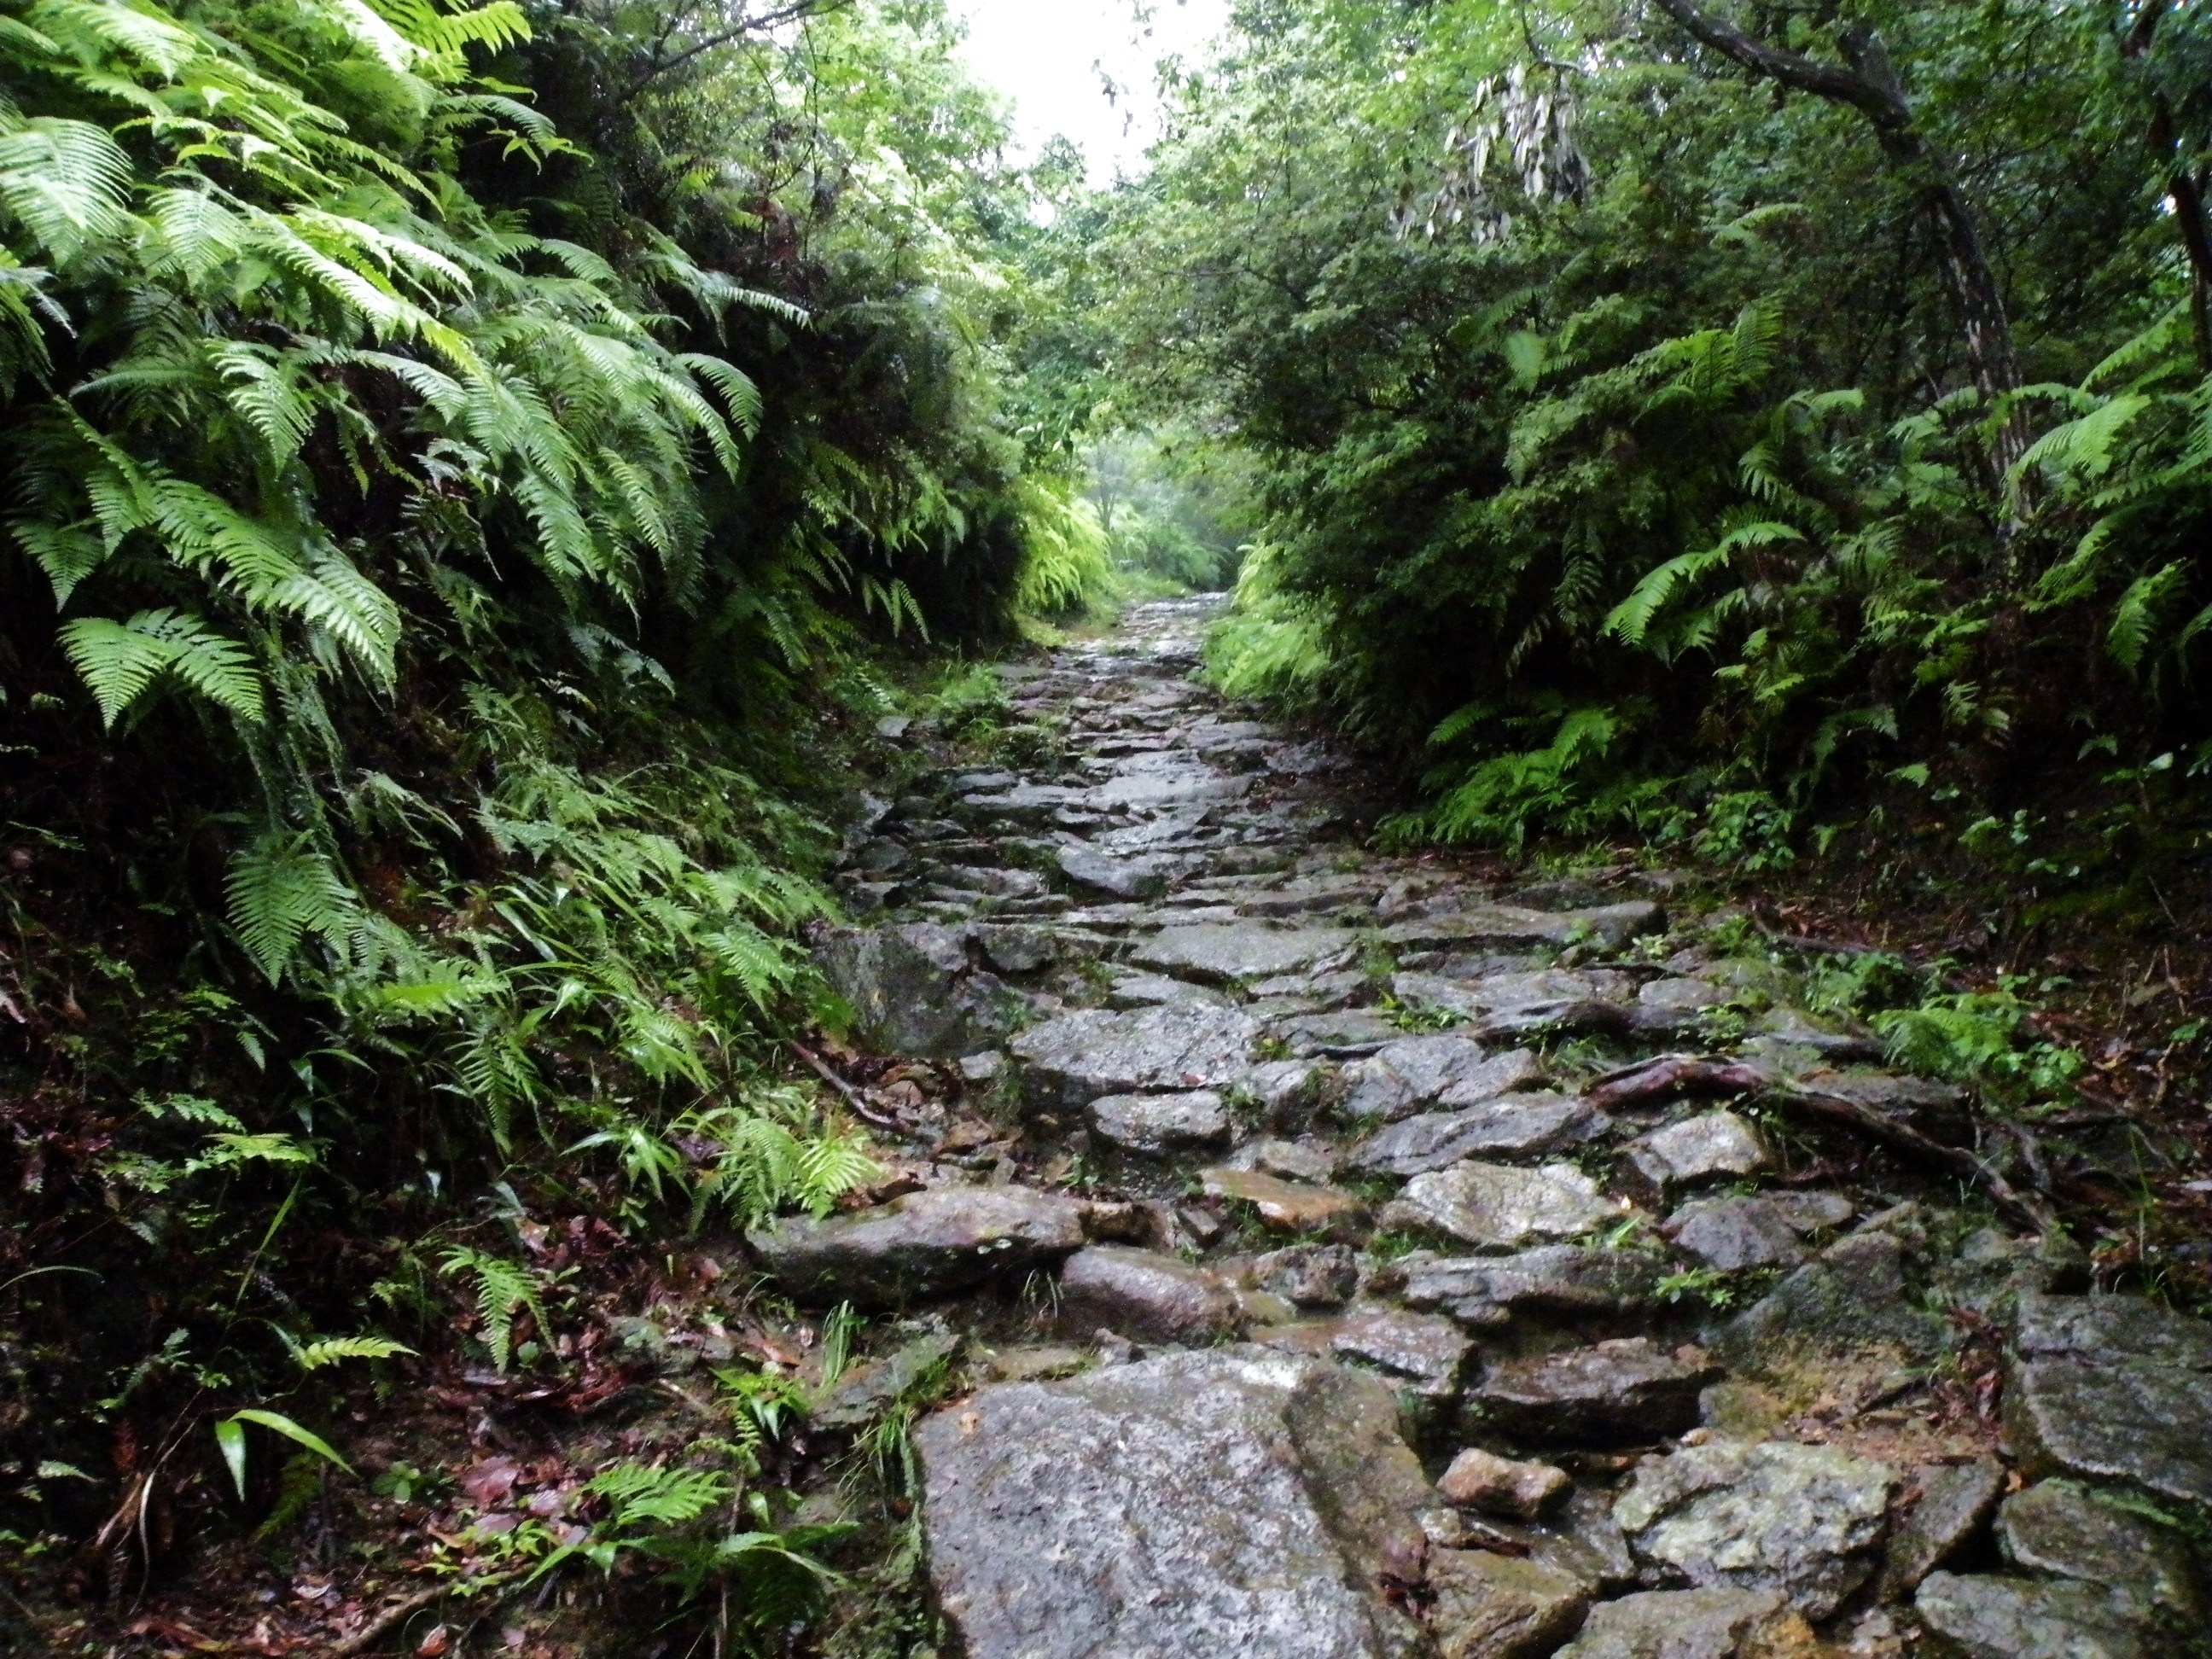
1339,1256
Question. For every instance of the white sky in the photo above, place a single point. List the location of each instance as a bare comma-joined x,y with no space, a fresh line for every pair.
1043,54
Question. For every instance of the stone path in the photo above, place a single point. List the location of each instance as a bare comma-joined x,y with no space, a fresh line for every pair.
1325,1286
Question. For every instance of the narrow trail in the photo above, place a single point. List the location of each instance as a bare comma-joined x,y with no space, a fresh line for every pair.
1338,1256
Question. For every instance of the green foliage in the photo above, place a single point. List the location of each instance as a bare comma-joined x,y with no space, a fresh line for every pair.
1642,483
503,1292
1989,1039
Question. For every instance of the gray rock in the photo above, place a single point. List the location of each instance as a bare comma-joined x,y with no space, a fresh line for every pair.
1570,1279
1224,1501
1077,1057
991,880
1309,1275
1410,1072
2113,1389
1512,1126
864,1393
891,727
1425,1355
1157,1124
1157,990
1697,1624
1804,1520
1954,1505
926,1243
1697,1150
1339,1033
1137,878
913,990
2058,1530
1494,1207
1493,1606
1731,1233
980,1071
1283,1087
1854,1294
1622,1390
1813,1212
1016,948
1144,1294
1482,1480
1985,1616
1228,953
1681,996
1993,1270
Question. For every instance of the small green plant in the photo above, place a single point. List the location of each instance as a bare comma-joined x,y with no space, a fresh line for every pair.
1988,1039
504,1290
1709,1285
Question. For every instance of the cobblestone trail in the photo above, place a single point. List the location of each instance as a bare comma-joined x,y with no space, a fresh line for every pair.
1330,1282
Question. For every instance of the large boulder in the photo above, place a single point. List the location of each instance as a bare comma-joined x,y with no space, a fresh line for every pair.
927,1243
1075,1058
912,989
2114,1388
1803,1521
1225,1501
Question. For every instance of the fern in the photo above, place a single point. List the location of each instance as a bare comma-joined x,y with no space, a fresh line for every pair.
281,890
504,1290
120,662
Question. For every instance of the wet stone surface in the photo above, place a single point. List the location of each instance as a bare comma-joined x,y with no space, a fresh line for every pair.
1282,1280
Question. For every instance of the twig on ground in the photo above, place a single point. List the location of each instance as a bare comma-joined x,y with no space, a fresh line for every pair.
1902,1137
401,1611
852,1095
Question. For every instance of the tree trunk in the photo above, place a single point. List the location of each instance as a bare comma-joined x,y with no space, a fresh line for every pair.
2183,188
1869,86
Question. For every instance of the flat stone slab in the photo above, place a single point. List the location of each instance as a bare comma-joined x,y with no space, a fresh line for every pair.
926,1243
1696,1624
1803,1521
1290,1205
1699,1149
1143,877
1731,1233
1496,1206
1486,1291
1506,927
1232,953
1231,1501
1425,1354
2113,1388
1144,1294
1075,1058
1511,1126
1403,1076
1613,1391
1157,1124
